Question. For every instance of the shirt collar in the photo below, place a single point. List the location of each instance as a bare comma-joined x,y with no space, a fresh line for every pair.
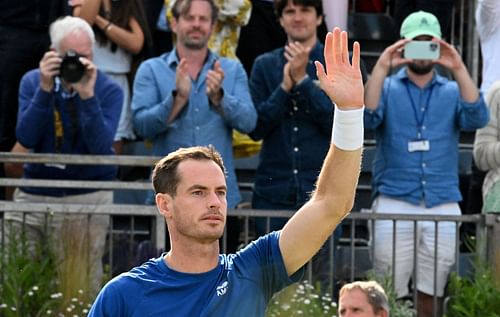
173,59
436,79
59,88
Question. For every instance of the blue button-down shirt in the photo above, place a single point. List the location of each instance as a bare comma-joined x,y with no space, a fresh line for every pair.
430,176
296,129
199,123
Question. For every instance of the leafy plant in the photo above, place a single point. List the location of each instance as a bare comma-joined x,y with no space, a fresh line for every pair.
478,295
30,281
301,299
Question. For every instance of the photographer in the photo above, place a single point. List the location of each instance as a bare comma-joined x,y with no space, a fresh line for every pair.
68,106
418,115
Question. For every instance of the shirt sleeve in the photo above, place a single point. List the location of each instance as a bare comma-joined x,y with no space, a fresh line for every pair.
99,116
262,262
237,107
35,111
473,115
487,142
487,21
150,113
271,102
109,302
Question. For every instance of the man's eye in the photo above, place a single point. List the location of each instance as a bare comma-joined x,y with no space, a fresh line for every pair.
221,193
197,193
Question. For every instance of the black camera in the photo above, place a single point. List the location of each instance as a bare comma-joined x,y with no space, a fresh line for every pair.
72,69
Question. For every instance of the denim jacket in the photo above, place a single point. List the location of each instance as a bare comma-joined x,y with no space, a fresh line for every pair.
295,128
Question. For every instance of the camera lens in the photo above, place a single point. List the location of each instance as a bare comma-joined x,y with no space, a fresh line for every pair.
433,46
72,69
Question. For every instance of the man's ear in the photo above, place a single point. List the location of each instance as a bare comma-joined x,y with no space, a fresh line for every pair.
164,203
173,24
319,20
382,313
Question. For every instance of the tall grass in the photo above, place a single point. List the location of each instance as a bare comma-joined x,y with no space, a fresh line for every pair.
35,282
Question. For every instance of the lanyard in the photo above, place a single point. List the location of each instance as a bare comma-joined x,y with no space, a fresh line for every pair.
418,119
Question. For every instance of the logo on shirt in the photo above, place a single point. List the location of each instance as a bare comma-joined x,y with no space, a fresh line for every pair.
222,289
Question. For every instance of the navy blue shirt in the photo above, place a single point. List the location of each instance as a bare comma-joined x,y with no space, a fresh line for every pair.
295,128
88,131
241,285
438,113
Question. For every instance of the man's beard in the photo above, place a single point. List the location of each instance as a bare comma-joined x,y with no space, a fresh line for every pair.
421,69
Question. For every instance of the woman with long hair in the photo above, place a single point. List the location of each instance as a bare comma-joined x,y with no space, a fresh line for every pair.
122,38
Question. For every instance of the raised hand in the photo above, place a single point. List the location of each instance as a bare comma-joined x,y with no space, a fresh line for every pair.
287,83
298,57
449,58
182,80
49,68
214,83
85,86
392,56
342,82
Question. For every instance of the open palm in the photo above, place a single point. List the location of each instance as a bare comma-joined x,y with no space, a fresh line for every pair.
342,82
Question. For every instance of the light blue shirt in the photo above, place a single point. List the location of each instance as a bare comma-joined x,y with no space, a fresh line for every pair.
240,286
440,112
199,123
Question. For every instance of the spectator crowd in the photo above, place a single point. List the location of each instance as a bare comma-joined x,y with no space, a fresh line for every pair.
91,76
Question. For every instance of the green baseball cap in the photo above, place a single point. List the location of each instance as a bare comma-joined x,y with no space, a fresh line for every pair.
420,23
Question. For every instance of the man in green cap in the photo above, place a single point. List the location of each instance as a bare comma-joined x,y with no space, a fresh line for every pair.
417,116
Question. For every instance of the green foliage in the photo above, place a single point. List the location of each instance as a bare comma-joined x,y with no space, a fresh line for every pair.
30,281
474,296
301,299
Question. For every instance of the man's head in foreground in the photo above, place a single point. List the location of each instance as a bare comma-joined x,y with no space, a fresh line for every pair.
363,299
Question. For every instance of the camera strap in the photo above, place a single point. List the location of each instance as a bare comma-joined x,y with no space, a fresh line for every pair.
72,112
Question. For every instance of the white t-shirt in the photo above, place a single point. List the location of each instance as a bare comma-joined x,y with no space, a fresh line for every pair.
488,27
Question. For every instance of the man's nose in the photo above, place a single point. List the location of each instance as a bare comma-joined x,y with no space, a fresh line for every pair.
214,200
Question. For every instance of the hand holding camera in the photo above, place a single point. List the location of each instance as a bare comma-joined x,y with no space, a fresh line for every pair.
49,68
392,56
85,85
75,70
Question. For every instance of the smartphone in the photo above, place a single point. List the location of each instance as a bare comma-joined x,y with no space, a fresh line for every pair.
421,50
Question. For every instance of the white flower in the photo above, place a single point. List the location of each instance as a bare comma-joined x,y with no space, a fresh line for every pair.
30,293
35,288
56,295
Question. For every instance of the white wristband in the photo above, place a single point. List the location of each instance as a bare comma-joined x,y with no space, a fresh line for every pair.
347,132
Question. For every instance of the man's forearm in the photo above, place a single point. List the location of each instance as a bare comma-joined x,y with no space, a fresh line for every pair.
374,85
468,89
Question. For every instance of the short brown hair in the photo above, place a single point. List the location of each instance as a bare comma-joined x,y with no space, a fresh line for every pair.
279,5
165,176
182,7
374,293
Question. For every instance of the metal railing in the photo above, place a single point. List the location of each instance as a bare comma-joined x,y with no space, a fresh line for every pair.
348,257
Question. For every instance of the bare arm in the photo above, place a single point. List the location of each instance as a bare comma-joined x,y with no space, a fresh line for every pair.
309,228
453,61
131,40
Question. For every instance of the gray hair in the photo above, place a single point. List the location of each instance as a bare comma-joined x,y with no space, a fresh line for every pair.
374,293
67,25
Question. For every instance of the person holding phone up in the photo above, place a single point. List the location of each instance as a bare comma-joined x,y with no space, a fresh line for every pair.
417,116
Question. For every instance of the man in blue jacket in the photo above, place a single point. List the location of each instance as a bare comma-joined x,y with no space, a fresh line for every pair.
417,116
60,114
